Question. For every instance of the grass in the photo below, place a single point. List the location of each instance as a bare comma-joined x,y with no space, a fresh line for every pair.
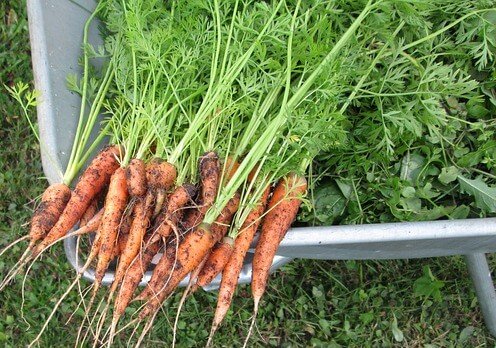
403,303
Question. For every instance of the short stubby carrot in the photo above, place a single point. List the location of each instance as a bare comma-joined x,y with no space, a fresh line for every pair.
216,261
160,174
53,202
115,205
191,252
136,178
282,210
92,181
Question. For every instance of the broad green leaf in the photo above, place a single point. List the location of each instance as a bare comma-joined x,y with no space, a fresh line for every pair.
484,195
428,285
448,174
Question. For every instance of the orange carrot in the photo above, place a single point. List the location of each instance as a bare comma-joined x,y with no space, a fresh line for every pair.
161,272
216,261
89,213
115,205
282,210
221,225
142,214
136,178
160,174
53,202
231,166
192,218
210,176
133,277
283,207
174,210
94,178
230,274
190,253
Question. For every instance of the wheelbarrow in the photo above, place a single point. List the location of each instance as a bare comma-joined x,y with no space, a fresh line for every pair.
56,29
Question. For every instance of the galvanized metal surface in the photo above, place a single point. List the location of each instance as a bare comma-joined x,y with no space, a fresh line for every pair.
56,36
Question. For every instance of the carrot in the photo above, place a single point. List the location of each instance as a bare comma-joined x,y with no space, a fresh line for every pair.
190,253
174,210
231,271
160,176
210,180
221,225
131,281
216,262
89,213
282,210
94,178
192,218
120,245
142,214
230,167
160,274
115,204
136,178
165,268
53,202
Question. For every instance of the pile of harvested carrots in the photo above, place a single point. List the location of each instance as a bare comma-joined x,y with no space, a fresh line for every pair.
214,113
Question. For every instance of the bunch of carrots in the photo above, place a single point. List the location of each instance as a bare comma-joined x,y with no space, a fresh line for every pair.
213,118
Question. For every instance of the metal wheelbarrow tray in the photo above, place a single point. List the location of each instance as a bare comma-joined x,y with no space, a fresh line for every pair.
56,34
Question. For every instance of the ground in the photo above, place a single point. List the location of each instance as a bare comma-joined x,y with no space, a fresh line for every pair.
402,303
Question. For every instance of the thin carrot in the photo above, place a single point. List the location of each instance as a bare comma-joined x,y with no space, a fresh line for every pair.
230,274
210,179
94,178
89,213
115,204
142,214
216,262
282,210
131,281
221,225
161,272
